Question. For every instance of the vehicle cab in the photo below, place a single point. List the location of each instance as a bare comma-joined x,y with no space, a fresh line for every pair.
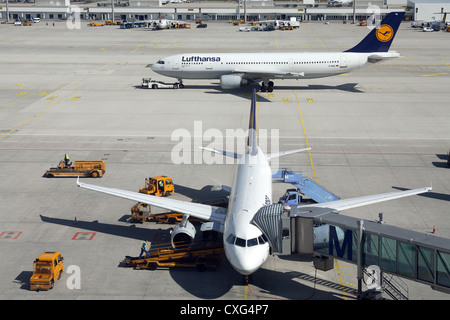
46,269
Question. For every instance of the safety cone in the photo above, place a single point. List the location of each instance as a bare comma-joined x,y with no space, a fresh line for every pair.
434,230
75,222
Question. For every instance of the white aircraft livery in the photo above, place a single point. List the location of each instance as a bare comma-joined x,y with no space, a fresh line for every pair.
245,246
237,69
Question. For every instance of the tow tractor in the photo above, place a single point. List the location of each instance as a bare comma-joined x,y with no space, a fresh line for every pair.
201,257
93,169
47,268
160,186
153,84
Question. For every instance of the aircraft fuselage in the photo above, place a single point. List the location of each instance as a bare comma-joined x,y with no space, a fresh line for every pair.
260,65
244,244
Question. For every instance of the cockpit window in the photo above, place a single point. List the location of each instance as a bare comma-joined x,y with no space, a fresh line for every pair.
261,239
160,62
252,242
240,242
231,238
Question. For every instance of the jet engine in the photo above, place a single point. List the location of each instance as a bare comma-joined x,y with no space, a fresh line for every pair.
183,234
229,81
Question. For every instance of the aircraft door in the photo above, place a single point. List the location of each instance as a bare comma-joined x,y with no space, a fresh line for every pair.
343,63
175,65
209,66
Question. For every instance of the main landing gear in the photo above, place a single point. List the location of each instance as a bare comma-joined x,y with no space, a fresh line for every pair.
269,87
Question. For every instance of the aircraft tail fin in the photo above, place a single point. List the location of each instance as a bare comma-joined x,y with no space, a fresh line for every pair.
380,39
251,142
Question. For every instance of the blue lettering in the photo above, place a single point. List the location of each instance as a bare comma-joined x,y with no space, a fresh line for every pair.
346,244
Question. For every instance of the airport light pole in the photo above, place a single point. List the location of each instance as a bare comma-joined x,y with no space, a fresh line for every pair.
354,11
7,12
112,8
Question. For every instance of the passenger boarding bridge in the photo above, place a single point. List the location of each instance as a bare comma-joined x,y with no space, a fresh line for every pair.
369,244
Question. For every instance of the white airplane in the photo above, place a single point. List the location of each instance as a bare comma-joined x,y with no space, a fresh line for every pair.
244,244
237,69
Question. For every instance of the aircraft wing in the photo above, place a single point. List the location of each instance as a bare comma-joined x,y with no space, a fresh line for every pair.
197,210
381,56
340,205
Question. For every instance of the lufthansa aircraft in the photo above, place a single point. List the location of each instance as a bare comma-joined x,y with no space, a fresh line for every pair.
245,245
237,69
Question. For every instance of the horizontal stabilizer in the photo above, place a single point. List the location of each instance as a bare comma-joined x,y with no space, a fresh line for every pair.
381,56
224,153
280,154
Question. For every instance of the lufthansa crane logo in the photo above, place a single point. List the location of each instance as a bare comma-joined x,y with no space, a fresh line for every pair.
384,33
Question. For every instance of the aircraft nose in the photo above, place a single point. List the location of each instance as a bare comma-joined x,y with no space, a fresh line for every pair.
247,260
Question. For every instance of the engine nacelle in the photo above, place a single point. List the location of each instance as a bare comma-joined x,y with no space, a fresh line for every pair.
183,234
229,81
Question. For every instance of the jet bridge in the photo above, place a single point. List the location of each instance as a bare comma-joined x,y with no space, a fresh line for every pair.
409,254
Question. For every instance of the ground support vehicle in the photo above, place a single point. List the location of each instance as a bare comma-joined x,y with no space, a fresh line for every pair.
153,84
111,23
93,169
167,217
47,268
201,257
160,186
140,212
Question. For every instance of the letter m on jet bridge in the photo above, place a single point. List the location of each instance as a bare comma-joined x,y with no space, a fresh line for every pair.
346,246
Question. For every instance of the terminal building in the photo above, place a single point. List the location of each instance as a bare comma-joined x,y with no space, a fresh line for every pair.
429,9
132,10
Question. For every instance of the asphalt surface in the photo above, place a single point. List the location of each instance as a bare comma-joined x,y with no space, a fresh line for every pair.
379,129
